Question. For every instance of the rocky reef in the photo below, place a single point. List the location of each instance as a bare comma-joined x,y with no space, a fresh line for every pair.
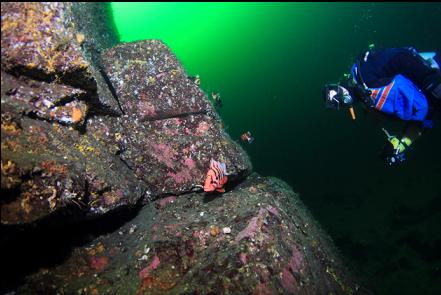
104,148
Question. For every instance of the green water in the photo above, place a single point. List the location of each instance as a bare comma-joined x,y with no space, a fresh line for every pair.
269,62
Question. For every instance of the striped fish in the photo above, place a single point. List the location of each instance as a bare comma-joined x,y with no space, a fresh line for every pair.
216,177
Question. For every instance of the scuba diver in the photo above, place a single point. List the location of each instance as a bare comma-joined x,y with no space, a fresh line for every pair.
398,82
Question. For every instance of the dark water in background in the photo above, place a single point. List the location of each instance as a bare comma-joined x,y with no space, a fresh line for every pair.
269,61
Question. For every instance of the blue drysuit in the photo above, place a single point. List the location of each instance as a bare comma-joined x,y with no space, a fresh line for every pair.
400,81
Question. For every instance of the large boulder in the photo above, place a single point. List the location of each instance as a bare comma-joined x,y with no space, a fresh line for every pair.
65,145
255,239
171,130
50,90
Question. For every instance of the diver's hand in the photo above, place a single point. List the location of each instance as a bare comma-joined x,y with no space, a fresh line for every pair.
394,150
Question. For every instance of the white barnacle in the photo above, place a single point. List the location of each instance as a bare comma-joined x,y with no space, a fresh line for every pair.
226,230
47,103
66,119
144,258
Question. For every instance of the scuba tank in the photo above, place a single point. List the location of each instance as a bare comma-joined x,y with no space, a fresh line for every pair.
432,83
429,57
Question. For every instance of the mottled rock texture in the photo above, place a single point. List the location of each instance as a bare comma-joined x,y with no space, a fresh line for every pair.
159,140
171,130
177,246
48,93
104,149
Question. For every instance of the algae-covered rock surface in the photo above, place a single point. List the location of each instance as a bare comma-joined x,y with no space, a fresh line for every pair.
254,239
170,129
64,149
105,148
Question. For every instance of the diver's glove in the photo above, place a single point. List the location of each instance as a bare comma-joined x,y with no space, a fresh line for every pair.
395,148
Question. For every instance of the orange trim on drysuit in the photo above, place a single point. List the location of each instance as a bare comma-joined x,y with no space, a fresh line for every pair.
384,95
